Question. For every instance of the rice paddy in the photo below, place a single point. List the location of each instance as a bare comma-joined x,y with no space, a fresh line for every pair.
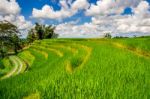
78,69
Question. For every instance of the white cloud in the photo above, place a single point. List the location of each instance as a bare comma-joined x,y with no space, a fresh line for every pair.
68,9
7,7
102,7
22,23
87,30
142,9
10,11
47,12
127,3
106,7
79,5
102,21
136,24
139,22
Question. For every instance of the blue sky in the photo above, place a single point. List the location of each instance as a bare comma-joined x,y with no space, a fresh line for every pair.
28,5
80,18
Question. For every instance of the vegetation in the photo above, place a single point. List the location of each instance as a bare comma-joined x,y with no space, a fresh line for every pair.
107,35
40,32
9,38
80,69
36,67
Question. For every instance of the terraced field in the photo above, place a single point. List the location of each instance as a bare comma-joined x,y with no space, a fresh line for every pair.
78,69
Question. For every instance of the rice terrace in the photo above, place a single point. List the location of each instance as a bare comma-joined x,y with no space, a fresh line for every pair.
79,68
75,49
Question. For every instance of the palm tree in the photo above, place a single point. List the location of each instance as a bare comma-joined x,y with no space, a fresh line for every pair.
49,31
32,36
16,43
39,30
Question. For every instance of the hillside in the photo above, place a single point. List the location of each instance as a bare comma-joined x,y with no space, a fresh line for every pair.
78,69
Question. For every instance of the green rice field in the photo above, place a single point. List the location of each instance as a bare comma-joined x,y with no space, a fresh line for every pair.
78,69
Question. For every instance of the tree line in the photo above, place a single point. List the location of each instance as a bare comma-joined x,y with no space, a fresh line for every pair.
11,41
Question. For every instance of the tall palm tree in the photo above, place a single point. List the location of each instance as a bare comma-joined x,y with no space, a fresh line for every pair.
39,30
49,31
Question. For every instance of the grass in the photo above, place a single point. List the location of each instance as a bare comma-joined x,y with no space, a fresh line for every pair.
27,57
82,69
6,65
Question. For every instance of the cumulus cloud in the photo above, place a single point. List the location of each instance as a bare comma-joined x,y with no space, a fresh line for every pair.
7,7
106,17
136,24
48,12
142,10
22,23
127,3
139,22
10,11
79,5
106,7
68,9
86,30
102,7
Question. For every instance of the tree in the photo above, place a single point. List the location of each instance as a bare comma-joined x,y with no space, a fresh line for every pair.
8,37
107,35
32,36
39,30
55,35
49,32
16,43
3,49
